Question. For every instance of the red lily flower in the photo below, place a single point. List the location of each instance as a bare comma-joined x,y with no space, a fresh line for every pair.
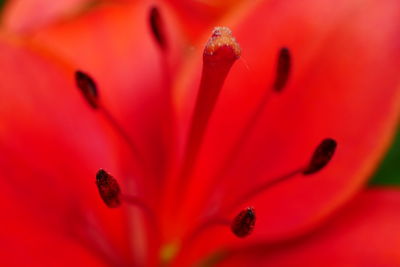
197,174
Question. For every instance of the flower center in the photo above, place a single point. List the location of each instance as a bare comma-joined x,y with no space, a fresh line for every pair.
220,53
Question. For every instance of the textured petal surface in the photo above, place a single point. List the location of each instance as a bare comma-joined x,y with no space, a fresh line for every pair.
344,85
364,233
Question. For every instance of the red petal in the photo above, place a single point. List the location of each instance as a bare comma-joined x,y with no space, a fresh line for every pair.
34,247
30,238
52,145
365,233
344,85
26,15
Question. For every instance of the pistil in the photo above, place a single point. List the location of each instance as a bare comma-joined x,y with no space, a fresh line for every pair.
220,53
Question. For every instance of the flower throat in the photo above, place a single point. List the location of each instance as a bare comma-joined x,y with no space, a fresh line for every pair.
220,53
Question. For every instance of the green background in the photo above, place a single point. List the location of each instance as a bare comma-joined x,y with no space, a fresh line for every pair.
389,171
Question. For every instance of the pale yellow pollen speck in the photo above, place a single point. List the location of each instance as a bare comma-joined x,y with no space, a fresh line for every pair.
168,252
222,36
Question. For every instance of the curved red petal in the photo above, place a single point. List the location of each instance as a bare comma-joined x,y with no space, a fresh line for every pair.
23,16
344,85
364,233
30,237
52,145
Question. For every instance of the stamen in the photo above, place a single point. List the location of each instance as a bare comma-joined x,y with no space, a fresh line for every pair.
160,35
123,134
262,188
220,53
243,224
88,88
147,211
110,193
321,157
109,189
283,68
199,230
157,27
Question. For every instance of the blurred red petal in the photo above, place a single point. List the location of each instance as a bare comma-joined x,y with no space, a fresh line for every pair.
25,15
365,233
29,236
52,144
198,16
36,247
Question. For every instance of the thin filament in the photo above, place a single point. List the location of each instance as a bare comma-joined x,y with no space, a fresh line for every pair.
123,134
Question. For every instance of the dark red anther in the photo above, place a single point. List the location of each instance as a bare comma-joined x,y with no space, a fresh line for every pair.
282,69
88,88
243,224
157,27
108,189
322,156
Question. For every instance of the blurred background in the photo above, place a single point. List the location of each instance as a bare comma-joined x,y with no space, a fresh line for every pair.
389,171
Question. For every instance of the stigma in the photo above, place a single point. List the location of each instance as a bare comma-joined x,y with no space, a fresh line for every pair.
222,46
